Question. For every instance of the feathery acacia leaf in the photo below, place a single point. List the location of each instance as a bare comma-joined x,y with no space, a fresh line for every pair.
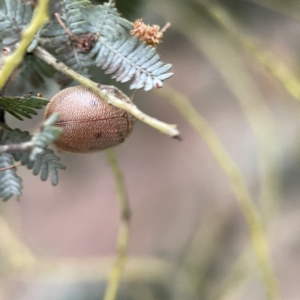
30,75
55,36
123,55
10,182
47,135
114,50
14,16
105,21
45,164
22,106
99,28
44,161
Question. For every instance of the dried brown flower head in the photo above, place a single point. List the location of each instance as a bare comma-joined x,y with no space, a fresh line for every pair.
151,35
83,43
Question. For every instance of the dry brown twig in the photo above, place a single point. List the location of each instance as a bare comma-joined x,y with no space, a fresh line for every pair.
84,43
11,167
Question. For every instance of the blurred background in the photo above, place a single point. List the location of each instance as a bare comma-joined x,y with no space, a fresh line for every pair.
237,61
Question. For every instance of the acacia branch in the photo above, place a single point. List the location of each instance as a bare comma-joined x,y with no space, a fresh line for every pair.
271,63
35,142
130,108
124,228
14,148
40,17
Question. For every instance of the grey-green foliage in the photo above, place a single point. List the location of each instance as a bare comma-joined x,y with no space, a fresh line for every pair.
65,47
121,54
10,182
14,16
30,75
99,37
24,106
46,136
40,158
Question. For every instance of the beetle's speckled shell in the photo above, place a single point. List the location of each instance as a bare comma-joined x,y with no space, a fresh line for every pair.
89,123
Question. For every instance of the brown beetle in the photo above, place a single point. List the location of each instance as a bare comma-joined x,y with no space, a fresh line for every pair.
88,122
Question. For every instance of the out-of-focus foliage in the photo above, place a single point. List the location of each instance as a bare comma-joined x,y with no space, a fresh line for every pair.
39,157
126,8
22,106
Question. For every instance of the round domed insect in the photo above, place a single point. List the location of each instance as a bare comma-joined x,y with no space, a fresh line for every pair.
88,122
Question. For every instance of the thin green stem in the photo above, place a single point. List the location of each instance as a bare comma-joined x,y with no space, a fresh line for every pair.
168,129
237,183
124,228
287,9
272,64
18,255
40,17
230,65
